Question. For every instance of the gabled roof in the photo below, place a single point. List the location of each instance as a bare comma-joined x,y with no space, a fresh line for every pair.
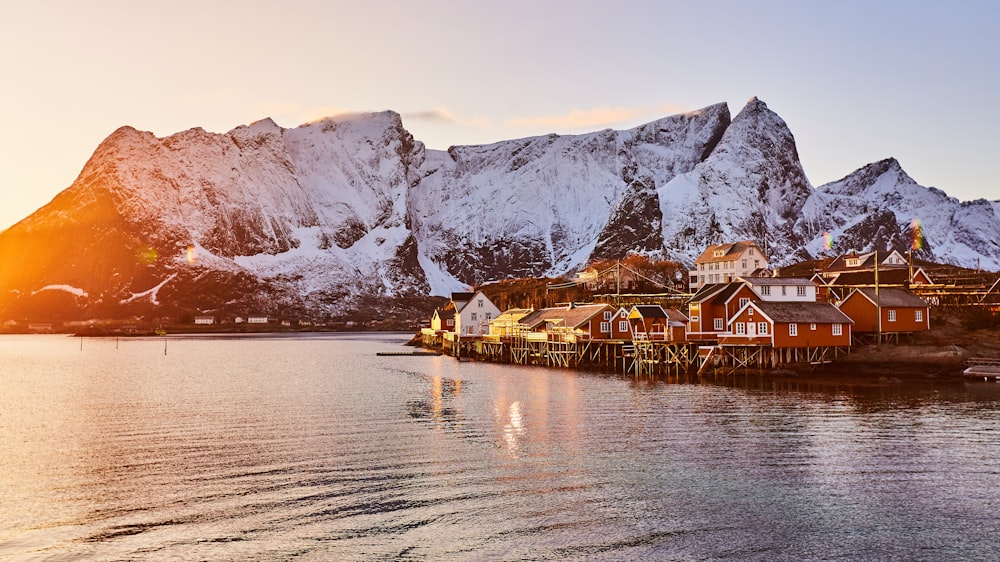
866,261
894,276
786,281
650,311
461,299
570,316
707,291
731,289
674,315
728,251
802,312
891,296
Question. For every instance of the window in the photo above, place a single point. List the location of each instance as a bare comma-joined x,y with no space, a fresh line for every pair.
918,315
606,327
450,322
892,315
607,315
741,328
765,290
793,329
756,264
473,316
838,329
744,264
762,328
812,327
623,326
694,318
489,316
783,289
718,323
751,251
480,303
744,301
853,262
801,290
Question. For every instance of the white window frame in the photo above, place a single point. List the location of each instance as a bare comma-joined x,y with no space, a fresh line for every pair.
761,328
892,315
812,327
918,315
718,326
741,328
793,329
623,325
801,290
744,301
608,314
837,329
605,327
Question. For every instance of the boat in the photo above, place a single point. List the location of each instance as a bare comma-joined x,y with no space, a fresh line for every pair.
982,368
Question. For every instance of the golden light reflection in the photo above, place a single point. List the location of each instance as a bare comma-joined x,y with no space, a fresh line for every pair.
148,256
514,429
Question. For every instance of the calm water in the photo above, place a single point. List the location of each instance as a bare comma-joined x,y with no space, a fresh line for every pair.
314,448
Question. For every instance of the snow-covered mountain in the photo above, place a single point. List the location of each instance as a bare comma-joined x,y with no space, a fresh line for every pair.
352,214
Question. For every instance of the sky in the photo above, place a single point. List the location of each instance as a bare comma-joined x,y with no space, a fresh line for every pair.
856,81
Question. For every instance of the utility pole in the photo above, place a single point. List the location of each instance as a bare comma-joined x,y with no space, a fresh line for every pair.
878,305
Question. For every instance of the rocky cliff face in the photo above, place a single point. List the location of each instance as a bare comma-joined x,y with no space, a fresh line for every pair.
352,214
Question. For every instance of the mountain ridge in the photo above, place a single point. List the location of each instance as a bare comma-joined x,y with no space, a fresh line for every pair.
352,213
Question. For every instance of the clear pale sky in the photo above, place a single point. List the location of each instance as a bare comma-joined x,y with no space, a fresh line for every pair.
857,81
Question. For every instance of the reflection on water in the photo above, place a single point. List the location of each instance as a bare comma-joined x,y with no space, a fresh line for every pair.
316,448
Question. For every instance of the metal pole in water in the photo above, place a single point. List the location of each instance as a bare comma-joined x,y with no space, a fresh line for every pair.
164,346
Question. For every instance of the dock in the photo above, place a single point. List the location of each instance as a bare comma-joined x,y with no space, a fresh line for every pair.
982,368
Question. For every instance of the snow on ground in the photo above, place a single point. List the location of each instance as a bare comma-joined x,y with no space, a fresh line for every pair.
150,293
68,288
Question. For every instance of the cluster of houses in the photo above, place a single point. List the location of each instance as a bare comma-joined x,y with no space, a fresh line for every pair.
735,300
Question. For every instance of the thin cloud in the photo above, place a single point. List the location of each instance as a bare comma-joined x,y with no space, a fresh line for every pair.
439,115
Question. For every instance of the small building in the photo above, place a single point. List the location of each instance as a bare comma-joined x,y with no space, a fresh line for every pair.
722,263
204,320
658,323
789,325
473,313
864,261
586,321
711,308
890,310
257,319
618,327
443,319
505,325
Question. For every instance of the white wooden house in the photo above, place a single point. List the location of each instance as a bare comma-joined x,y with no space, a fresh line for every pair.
473,313
723,263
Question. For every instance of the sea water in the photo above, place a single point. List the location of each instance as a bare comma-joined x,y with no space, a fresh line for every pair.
314,447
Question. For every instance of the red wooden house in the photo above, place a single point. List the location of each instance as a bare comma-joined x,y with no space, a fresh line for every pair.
711,308
657,323
789,325
891,311
583,321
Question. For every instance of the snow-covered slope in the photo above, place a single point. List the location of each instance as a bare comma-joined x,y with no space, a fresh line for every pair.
750,187
539,206
877,205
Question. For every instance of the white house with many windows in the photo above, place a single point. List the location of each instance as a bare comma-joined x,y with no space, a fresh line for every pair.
723,263
473,313
783,289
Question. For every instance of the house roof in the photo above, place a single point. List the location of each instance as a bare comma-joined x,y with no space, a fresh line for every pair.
570,316
802,312
674,315
728,251
650,311
727,293
894,276
786,281
707,291
893,296
867,261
